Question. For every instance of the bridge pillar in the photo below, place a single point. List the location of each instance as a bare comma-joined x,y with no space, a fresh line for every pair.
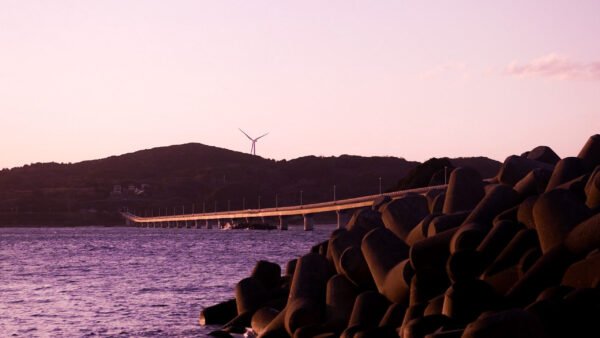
283,224
309,222
218,223
262,219
208,225
196,223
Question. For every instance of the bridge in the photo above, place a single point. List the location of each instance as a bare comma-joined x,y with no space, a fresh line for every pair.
305,210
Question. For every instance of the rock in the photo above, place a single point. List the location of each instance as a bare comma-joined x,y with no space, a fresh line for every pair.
513,323
267,273
585,236
555,213
383,251
590,153
403,214
465,190
218,314
515,168
566,169
543,154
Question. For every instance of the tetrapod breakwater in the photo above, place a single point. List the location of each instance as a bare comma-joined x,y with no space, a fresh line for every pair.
515,256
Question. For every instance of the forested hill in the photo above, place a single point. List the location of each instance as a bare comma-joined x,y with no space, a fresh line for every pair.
186,176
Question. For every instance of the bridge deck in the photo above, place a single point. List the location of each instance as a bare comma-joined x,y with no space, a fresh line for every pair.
351,203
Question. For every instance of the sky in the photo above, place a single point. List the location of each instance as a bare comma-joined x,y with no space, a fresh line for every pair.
86,79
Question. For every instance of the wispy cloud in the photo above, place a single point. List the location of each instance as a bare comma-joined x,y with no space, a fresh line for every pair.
455,67
555,66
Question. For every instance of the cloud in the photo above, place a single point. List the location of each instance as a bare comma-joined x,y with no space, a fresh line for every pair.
457,67
555,66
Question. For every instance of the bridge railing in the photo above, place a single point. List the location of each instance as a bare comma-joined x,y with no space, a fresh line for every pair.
349,203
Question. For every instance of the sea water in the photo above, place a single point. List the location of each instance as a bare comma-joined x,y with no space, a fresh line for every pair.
129,282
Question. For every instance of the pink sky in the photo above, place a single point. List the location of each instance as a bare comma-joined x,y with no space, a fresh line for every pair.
89,79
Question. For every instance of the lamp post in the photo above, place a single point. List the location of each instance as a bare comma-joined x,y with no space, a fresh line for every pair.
379,185
300,197
334,192
243,203
258,202
276,201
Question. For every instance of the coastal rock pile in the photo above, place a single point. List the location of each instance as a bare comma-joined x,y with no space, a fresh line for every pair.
517,256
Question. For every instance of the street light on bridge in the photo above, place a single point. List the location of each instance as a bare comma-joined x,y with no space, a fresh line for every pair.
379,185
300,197
334,192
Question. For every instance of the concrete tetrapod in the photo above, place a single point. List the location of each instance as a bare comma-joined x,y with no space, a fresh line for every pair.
514,323
355,268
533,183
547,271
367,312
306,302
465,300
514,250
339,241
219,314
497,199
442,223
363,221
383,251
403,214
584,273
590,153
465,190
341,295
525,211
497,239
515,168
565,170
269,274
592,190
555,213
585,236
543,154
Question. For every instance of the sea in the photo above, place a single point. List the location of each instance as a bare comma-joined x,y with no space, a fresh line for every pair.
130,282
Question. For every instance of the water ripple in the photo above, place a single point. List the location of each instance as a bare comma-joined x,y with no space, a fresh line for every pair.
128,282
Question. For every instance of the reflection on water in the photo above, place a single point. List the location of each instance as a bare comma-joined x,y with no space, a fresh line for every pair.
91,281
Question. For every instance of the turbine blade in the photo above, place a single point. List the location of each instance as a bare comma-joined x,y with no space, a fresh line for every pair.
261,136
250,138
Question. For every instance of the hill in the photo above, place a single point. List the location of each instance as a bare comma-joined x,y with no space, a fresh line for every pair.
181,177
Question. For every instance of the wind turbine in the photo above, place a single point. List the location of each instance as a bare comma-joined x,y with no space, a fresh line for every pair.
253,149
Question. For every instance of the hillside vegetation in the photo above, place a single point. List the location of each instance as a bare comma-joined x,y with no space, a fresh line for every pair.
181,177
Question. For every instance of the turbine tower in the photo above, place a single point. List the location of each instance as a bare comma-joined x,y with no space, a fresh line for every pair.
253,149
